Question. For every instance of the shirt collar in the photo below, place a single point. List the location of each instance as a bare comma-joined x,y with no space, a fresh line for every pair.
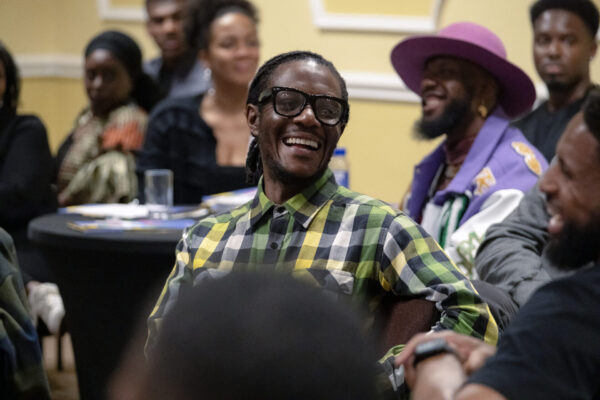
303,207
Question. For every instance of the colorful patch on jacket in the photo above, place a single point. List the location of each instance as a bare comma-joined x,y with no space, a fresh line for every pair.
484,180
529,156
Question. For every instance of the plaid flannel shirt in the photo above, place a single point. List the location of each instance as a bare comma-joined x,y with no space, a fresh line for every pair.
335,238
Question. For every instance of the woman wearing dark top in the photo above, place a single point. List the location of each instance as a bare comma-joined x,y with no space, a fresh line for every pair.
26,173
204,140
26,169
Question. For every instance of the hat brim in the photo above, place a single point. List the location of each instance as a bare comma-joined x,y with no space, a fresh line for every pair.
517,92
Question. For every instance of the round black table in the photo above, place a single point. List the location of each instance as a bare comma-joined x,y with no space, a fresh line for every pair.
109,283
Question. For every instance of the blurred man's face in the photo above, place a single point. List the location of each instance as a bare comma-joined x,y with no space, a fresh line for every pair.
572,188
446,96
562,49
165,25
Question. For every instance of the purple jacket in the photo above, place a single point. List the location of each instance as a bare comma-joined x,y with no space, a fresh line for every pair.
500,158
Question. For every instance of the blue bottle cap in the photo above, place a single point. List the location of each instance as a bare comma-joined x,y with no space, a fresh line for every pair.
339,151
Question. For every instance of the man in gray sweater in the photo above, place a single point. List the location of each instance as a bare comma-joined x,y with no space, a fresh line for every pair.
512,256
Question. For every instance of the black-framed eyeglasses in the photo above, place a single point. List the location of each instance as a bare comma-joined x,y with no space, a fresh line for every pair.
289,102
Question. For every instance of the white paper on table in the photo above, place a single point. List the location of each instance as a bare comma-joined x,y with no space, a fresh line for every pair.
229,200
123,211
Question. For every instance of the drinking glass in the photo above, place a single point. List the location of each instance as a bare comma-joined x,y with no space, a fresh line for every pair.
158,190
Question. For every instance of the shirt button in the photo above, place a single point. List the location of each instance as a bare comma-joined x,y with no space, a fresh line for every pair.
273,245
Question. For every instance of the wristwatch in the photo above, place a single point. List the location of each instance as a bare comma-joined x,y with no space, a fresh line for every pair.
432,348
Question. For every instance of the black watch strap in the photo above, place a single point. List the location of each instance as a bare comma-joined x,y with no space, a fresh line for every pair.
432,348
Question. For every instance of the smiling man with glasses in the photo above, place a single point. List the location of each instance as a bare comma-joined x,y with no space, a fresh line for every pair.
302,222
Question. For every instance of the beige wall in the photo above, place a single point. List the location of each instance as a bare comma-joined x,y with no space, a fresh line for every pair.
378,138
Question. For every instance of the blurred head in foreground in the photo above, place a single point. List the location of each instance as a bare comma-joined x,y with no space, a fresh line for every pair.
255,336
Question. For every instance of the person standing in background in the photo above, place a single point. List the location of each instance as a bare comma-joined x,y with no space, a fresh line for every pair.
564,44
513,254
177,71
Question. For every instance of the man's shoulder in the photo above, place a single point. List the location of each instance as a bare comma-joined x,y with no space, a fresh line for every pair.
533,115
557,329
190,81
582,286
152,66
566,300
349,197
516,155
375,208
222,220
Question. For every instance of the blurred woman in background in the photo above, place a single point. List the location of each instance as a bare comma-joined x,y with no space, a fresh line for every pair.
26,173
204,139
26,164
96,163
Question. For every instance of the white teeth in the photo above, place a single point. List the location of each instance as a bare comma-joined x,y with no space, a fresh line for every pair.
555,224
304,142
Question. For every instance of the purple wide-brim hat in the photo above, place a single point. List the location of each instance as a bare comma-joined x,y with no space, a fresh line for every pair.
474,43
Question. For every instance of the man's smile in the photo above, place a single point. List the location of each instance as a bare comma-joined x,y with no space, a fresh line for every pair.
431,100
556,222
297,141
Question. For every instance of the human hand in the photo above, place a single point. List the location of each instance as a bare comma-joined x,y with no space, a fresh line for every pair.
471,352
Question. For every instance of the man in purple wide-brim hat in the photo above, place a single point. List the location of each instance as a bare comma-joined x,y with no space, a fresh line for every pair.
469,92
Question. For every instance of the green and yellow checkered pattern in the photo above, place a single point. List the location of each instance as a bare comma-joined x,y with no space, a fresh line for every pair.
343,241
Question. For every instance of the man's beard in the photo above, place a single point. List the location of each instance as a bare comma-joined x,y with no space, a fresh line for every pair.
456,113
576,244
558,86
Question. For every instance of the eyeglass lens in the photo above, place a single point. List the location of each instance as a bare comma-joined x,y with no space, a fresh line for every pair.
291,103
